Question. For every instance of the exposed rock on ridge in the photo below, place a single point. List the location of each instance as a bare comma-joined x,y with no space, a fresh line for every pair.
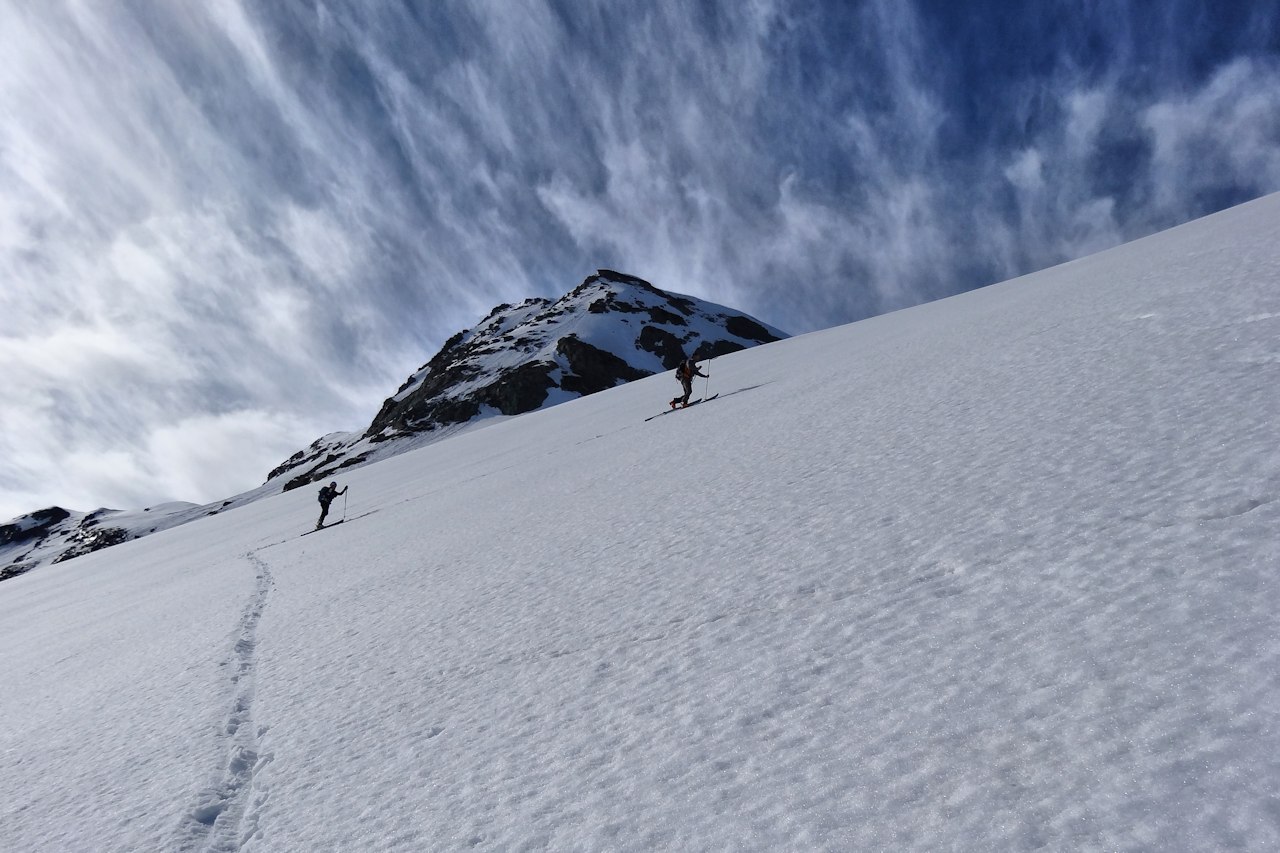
612,328
55,534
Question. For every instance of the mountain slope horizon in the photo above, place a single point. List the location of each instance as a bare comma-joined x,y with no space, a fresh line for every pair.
994,572
610,329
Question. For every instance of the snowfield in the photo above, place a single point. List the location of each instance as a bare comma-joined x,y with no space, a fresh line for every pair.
994,573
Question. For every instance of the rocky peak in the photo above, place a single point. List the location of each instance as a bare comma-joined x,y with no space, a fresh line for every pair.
610,329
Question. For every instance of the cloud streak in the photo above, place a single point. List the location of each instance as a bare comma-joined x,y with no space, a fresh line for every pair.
246,223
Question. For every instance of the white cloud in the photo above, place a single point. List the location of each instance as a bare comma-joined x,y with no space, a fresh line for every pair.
209,456
201,459
1228,131
1026,172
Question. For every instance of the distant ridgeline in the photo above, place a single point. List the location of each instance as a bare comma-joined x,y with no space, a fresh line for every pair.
55,534
611,329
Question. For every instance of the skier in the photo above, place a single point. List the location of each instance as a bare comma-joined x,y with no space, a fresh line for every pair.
327,494
685,373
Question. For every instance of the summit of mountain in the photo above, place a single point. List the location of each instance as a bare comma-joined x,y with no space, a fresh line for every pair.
611,329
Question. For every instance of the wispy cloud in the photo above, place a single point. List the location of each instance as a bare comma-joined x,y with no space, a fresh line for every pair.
1218,139
245,223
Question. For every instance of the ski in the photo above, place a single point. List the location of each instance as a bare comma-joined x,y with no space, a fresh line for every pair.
691,403
326,527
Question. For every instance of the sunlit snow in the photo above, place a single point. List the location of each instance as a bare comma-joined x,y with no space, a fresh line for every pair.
994,573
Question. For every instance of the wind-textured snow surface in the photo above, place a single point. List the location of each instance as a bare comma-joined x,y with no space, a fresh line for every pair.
994,573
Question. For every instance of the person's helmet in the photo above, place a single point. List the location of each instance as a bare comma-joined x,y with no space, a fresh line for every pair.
334,484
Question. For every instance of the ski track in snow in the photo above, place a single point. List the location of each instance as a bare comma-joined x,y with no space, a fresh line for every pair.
223,817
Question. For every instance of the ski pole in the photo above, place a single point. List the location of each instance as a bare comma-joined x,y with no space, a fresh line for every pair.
707,386
344,504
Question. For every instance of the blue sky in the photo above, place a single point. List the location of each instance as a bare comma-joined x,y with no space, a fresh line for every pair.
227,228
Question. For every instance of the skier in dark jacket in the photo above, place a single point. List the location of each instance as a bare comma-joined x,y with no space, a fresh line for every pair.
685,373
327,494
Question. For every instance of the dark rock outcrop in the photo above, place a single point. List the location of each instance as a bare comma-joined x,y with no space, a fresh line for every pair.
90,538
592,369
32,527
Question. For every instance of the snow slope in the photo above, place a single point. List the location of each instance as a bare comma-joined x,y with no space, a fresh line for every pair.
994,573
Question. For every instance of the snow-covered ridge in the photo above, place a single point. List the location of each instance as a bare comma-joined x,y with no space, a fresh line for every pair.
55,534
611,329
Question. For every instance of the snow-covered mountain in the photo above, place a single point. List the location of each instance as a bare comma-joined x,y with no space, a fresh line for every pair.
612,328
999,572
55,534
